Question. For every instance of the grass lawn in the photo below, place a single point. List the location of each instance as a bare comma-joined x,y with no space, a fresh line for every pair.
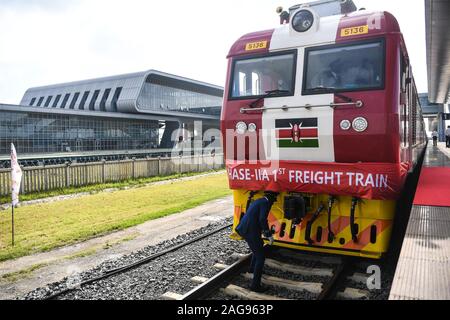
46,226
98,187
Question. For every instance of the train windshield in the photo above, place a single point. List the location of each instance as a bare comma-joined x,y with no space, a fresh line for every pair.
344,68
256,77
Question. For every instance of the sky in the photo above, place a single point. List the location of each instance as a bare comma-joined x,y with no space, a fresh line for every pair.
52,41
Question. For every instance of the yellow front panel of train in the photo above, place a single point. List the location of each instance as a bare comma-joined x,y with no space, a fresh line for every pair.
373,218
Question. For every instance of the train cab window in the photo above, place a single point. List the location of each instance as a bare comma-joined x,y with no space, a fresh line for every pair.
255,77
342,68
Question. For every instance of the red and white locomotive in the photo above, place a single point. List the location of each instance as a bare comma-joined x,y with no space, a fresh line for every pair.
323,110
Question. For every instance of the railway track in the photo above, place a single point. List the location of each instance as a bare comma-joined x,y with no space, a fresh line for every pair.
332,272
227,281
136,264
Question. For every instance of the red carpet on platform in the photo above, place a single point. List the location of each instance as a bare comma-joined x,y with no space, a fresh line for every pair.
434,187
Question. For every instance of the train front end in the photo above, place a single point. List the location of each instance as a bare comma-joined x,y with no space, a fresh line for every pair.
311,111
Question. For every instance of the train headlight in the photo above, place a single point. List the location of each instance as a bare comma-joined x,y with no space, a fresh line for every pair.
346,125
252,127
302,21
241,127
360,124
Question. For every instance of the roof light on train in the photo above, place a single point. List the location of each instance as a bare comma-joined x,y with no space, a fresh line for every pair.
241,127
303,21
360,124
284,15
346,124
252,127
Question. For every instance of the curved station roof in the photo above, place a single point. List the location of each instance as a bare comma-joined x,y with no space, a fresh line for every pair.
149,92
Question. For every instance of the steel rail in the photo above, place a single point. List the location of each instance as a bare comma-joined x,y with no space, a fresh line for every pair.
215,282
357,104
329,287
138,263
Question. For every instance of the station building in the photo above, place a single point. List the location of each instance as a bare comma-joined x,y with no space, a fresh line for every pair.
133,114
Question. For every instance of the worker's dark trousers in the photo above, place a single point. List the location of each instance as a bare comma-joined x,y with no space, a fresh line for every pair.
447,141
256,244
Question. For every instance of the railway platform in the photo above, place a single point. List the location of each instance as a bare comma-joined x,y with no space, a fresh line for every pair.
423,269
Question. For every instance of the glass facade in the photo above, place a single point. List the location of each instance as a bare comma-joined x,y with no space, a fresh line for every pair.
84,99
163,94
55,133
40,101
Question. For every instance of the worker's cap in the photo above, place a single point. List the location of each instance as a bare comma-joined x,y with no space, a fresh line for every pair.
271,195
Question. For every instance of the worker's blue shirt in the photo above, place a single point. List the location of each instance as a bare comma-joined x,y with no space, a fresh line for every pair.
254,222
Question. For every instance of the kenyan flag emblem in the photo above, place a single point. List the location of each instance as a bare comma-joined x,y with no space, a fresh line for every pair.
297,133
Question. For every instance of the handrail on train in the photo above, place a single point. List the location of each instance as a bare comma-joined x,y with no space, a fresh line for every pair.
358,104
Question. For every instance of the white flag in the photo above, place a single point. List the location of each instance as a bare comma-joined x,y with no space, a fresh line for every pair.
16,176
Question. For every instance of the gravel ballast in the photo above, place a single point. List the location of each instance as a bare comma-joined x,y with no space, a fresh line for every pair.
170,272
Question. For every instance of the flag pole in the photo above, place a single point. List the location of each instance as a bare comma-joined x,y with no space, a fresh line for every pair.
12,218
16,179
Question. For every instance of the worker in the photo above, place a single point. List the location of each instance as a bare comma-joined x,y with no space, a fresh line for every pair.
435,138
252,226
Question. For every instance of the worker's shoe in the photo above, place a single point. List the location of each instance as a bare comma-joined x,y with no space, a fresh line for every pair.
259,289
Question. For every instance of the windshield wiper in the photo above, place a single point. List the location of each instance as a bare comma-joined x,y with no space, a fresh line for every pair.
322,88
343,97
268,94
